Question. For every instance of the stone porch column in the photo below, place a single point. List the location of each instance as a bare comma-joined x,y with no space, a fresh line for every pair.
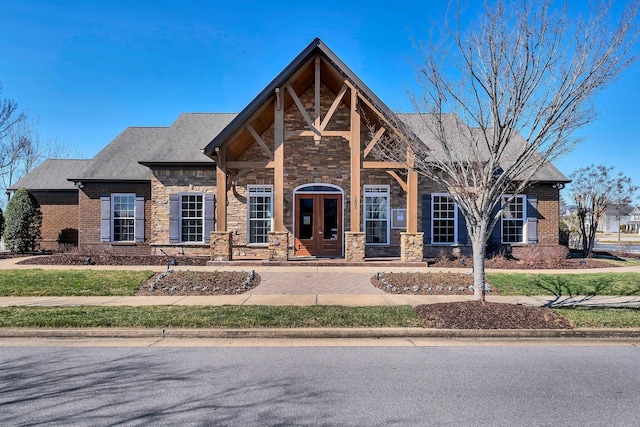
278,245
411,245
221,245
354,246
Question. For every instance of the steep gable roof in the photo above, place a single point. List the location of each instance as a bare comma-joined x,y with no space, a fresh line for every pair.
314,48
51,175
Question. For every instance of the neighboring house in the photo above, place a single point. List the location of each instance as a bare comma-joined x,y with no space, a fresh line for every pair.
290,175
615,218
634,221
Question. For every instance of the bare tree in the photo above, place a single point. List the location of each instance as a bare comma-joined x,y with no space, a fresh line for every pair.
9,115
500,101
594,189
22,147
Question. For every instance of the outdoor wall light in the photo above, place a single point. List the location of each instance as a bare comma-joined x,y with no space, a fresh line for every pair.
79,184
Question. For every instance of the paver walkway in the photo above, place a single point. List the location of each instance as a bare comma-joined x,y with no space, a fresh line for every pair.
292,283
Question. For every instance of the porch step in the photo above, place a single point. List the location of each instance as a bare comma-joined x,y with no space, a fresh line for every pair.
318,262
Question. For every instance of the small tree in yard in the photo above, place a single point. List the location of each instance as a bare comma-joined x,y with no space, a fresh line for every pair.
498,102
23,222
594,188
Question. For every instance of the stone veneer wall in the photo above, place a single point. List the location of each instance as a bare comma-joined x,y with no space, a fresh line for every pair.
166,181
411,247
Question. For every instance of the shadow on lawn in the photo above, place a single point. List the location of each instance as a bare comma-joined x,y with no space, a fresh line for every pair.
566,294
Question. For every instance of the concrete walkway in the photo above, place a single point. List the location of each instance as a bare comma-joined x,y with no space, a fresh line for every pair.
306,285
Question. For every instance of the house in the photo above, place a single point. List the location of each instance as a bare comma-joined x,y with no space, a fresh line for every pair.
633,225
615,218
291,175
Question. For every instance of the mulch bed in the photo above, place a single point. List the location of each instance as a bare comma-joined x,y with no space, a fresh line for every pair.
74,259
199,283
514,264
427,283
487,315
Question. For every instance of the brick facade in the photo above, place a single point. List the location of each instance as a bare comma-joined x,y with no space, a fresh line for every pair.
59,218
89,218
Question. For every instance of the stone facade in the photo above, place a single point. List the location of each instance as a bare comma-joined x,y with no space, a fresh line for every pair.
221,245
166,181
411,245
354,247
278,246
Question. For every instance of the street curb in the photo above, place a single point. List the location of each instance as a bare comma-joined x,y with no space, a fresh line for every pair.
319,333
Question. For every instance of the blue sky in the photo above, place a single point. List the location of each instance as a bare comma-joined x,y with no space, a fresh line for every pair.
88,69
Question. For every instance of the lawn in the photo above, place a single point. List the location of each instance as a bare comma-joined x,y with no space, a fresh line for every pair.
265,317
37,282
227,316
585,317
566,284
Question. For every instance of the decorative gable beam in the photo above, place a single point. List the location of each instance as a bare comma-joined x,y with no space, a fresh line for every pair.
260,141
334,107
374,141
316,138
302,110
383,165
397,177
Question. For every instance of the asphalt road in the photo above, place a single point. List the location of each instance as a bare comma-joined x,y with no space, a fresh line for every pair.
370,386
618,247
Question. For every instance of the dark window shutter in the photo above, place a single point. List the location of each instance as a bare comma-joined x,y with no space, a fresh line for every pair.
426,218
139,219
497,230
462,229
209,215
532,219
105,218
174,218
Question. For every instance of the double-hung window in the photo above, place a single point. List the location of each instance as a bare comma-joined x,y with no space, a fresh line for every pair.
444,214
192,217
260,212
123,214
122,218
376,214
514,218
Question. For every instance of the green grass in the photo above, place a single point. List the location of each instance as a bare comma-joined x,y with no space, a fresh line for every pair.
619,262
566,284
209,317
265,317
585,317
70,282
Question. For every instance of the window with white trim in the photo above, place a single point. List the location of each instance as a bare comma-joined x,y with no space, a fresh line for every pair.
260,212
376,214
514,218
123,216
444,220
192,217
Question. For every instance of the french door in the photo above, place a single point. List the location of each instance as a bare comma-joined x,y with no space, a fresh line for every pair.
318,224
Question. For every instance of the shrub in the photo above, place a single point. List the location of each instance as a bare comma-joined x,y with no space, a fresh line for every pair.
23,222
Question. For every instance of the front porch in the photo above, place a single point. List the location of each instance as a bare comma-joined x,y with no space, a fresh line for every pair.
411,249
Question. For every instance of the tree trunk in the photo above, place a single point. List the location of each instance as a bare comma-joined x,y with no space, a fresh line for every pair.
479,252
